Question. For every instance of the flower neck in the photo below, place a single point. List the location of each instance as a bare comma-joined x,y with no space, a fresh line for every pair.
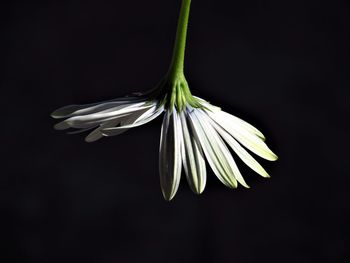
175,87
176,93
177,63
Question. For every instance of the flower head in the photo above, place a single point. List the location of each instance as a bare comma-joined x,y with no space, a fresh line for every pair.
193,130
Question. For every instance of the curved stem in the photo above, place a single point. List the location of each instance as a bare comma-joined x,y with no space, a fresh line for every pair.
177,63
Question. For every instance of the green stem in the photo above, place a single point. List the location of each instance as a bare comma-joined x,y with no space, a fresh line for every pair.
177,63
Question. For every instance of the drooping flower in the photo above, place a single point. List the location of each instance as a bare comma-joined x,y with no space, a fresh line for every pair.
192,132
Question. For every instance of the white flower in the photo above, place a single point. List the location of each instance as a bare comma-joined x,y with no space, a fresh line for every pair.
191,132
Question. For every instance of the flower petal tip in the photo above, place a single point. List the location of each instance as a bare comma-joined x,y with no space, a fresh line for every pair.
269,155
274,157
61,126
168,197
63,111
89,140
197,191
232,185
106,132
244,184
55,115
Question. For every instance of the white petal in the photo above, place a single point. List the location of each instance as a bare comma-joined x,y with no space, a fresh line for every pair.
94,135
170,155
78,124
246,138
192,155
144,118
126,123
248,126
111,112
97,134
240,151
62,126
238,121
231,162
85,121
208,105
213,148
75,110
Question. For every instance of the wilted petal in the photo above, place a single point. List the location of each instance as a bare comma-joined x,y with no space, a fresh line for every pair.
170,154
192,155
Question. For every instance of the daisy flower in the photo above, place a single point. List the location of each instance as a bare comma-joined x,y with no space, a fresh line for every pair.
193,130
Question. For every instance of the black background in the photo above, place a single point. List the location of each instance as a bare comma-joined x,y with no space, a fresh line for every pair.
281,65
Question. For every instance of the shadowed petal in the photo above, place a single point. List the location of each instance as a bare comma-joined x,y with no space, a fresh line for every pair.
135,121
193,159
170,154
79,124
86,121
97,134
231,162
75,110
214,149
100,131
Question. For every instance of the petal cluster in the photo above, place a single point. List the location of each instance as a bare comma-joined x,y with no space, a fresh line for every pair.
195,134
108,118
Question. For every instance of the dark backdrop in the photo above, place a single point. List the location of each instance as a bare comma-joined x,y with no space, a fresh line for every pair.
281,65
